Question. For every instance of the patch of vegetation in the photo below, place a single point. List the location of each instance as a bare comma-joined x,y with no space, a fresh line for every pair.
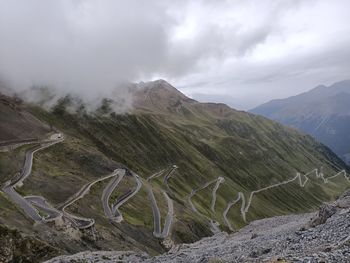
205,142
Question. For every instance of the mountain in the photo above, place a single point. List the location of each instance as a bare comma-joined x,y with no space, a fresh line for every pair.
291,238
16,124
322,112
222,169
228,100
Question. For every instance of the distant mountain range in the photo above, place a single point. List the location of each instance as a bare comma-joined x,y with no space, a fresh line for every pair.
323,112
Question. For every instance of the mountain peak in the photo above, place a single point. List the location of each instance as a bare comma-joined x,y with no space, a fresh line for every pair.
336,88
322,112
159,85
159,95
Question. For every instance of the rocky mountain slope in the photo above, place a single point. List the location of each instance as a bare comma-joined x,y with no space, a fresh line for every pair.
17,124
222,169
323,236
323,112
16,247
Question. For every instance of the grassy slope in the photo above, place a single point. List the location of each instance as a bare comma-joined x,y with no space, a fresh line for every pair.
249,151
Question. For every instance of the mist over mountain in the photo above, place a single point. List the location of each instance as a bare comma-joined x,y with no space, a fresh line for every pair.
202,156
322,112
125,134
230,101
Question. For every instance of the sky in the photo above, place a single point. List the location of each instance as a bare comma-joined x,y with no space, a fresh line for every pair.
240,52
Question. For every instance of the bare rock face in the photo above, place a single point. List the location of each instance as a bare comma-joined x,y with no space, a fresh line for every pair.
16,247
344,200
100,257
325,212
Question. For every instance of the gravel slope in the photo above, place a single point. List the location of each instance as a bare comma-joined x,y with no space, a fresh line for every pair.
323,236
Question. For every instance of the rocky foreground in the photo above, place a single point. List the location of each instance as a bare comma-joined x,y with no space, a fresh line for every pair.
315,237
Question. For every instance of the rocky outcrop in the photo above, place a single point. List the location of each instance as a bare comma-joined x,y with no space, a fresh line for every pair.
101,256
16,247
325,212
276,239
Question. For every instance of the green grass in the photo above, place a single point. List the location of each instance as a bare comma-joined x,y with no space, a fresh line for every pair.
249,151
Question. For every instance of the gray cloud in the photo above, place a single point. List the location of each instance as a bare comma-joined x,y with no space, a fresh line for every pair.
250,50
80,45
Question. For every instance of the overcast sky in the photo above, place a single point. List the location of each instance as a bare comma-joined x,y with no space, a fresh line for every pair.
242,52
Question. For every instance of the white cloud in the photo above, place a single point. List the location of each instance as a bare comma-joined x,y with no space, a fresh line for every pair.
251,50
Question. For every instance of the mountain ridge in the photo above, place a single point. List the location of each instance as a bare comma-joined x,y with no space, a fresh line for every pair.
205,141
322,112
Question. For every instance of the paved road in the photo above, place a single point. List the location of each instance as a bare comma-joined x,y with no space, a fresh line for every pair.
168,176
41,203
9,187
107,192
156,214
302,179
157,232
83,191
124,198
19,141
28,163
228,207
215,189
194,192
155,175
27,207
31,204
214,224
80,222
169,217
6,146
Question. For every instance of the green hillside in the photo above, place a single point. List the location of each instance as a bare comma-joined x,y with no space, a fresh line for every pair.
204,140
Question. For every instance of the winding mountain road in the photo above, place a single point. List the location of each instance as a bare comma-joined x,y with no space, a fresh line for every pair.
41,203
301,178
9,187
157,232
214,224
216,187
155,175
169,217
168,176
228,207
19,200
39,210
33,204
112,211
124,198
106,195
83,191
194,192
80,222
6,146
156,214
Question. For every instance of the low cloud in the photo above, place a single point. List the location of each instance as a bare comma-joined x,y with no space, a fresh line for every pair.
248,50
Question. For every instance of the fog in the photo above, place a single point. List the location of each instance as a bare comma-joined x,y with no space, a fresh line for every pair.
250,51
